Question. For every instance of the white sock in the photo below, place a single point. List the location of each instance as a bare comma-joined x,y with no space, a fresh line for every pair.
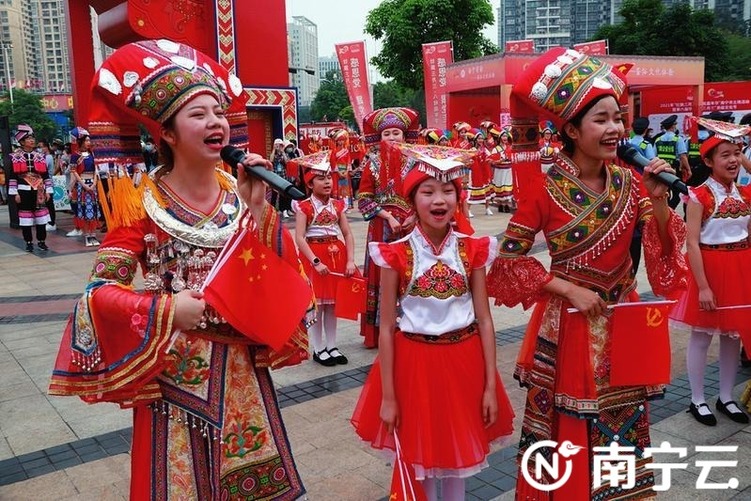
696,362
452,489
729,351
430,485
315,332
329,325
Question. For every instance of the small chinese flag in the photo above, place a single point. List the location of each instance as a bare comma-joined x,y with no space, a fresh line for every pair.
404,486
350,297
259,293
640,348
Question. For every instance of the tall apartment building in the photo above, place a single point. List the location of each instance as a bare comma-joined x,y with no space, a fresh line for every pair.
39,58
326,64
566,22
303,61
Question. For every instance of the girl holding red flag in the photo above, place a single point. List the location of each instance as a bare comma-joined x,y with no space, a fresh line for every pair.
587,209
718,214
326,243
206,420
435,385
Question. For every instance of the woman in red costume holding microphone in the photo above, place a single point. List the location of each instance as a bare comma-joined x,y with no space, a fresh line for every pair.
206,420
381,200
587,208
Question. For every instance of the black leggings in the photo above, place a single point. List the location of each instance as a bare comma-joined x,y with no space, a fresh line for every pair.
41,233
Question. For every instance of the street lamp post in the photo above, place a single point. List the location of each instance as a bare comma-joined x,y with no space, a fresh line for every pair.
6,47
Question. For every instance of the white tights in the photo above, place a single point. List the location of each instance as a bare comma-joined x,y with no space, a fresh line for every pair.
696,362
325,321
452,488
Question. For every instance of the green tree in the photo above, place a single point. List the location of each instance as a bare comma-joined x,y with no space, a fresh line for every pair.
739,57
330,99
404,25
648,28
27,109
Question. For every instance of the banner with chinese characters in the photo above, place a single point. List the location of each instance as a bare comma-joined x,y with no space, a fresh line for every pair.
521,46
727,96
596,48
355,75
667,100
435,58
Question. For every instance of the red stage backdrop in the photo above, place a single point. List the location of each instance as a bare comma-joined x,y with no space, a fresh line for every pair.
727,96
435,57
354,66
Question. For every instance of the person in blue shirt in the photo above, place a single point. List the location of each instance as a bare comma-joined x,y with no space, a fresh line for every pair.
672,148
639,126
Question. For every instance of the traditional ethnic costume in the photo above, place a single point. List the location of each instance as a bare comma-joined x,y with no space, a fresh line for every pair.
565,367
480,191
380,189
725,254
340,159
439,374
206,421
30,180
500,163
87,209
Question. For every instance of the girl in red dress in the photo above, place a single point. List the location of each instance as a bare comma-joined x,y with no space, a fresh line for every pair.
717,218
326,245
435,381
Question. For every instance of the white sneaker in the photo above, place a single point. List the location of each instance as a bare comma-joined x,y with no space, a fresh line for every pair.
470,214
488,212
51,227
285,214
74,233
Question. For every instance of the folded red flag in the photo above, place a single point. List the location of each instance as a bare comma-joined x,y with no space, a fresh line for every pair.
404,486
350,297
640,348
259,293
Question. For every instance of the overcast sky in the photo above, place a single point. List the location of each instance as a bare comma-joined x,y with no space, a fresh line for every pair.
340,21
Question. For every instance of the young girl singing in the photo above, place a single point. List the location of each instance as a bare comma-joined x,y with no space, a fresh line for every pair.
717,219
435,381
320,225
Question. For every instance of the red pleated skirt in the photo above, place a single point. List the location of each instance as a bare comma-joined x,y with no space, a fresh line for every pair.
333,253
728,273
439,390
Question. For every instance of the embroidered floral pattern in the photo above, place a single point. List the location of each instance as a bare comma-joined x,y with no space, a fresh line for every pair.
325,218
243,437
115,264
185,365
732,208
439,281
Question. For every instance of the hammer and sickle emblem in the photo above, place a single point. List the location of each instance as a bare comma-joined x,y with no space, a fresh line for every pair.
654,317
356,287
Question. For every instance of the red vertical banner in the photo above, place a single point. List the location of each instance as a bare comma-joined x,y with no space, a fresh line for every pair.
520,46
435,58
354,66
596,48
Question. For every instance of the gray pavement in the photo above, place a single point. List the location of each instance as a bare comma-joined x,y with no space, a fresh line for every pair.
60,448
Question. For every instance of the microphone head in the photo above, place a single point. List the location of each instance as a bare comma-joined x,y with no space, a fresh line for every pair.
231,155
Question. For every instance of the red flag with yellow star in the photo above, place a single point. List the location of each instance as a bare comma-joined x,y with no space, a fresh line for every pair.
640,348
257,292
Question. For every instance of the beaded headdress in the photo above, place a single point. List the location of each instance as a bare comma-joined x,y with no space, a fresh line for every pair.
404,119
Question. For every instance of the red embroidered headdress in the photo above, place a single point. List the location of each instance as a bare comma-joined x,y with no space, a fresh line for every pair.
722,132
147,82
404,119
315,164
23,131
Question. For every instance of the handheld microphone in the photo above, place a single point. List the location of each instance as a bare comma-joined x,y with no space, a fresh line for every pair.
234,156
629,154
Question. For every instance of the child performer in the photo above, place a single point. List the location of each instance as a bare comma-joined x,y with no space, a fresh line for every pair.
717,219
320,225
435,380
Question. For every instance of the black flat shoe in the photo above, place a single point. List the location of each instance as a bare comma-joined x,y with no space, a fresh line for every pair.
43,246
738,417
29,247
708,420
337,356
327,361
